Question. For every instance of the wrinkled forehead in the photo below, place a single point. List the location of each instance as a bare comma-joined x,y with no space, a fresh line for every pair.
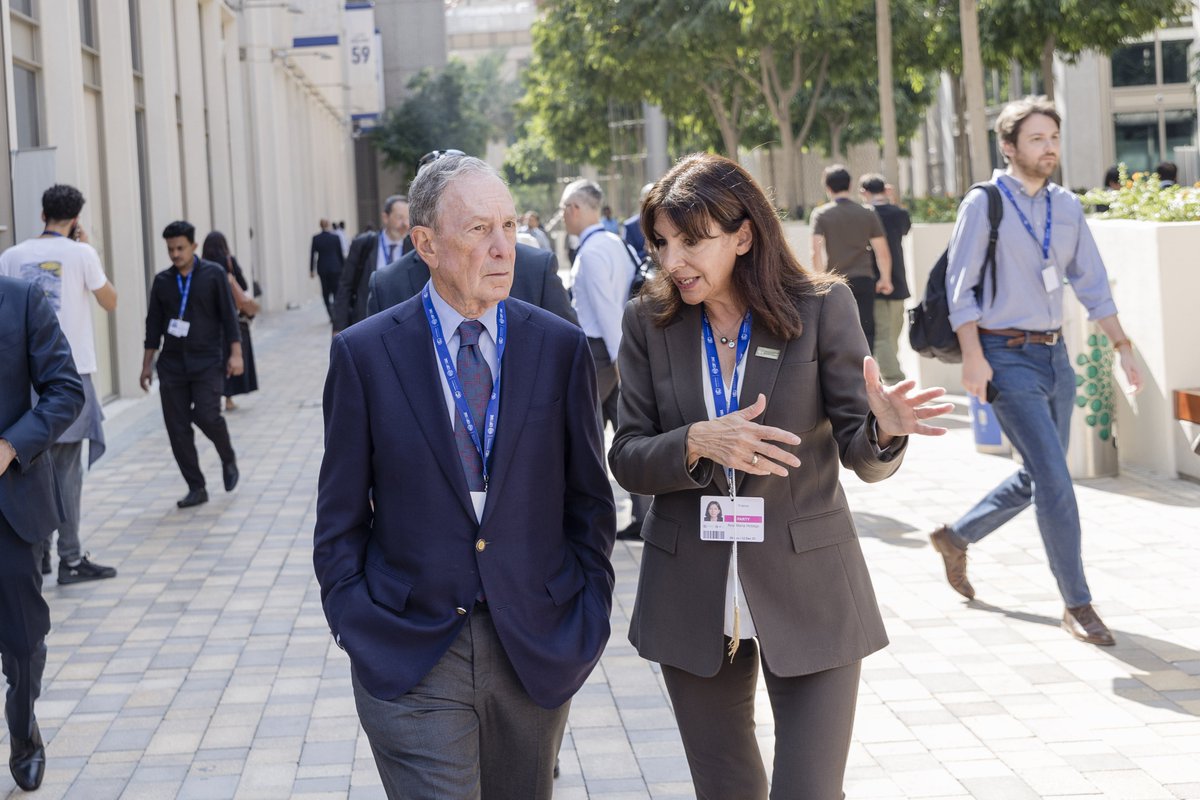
475,196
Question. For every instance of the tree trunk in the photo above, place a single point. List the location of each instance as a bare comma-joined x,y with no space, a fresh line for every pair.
981,161
835,143
726,118
1048,67
887,103
962,152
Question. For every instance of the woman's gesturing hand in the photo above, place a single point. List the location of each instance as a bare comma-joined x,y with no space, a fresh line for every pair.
898,411
734,441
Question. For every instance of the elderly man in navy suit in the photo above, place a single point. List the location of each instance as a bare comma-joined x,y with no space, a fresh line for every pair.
464,519
34,355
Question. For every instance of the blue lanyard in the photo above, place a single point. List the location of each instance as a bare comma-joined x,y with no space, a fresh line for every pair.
450,370
53,233
184,289
723,405
383,247
1025,220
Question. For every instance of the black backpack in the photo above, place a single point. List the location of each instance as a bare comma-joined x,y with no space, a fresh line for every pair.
642,270
929,331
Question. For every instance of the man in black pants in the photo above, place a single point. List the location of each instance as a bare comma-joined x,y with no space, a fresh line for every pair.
844,234
325,261
191,313
35,357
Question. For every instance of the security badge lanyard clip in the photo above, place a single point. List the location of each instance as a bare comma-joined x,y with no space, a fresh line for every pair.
723,405
450,370
1050,277
179,326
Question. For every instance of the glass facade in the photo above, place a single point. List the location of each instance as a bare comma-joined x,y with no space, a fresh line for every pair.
1137,140
1134,65
28,106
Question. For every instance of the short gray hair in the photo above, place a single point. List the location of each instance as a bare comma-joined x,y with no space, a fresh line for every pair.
585,193
425,193
391,201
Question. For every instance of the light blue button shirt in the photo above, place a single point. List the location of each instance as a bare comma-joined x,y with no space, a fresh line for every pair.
1022,300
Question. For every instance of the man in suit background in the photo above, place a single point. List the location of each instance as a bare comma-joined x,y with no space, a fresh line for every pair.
535,280
326,252
464,565
39,359
370,252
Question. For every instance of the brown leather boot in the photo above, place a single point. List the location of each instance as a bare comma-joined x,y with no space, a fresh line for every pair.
955,559
1085,624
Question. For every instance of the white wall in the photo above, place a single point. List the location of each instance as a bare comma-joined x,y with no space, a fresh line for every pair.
261,154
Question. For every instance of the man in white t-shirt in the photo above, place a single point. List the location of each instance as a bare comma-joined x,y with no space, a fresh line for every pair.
67,269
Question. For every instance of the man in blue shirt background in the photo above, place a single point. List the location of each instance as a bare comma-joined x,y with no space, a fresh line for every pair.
1012,345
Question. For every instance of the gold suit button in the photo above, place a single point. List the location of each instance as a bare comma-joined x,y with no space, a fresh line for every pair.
480,545
460,611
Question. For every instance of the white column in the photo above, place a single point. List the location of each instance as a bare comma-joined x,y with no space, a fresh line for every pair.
162,137
217,105
62,90
122,197
191,95
239,147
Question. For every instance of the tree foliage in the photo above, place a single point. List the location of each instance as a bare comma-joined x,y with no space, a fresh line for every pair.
460,106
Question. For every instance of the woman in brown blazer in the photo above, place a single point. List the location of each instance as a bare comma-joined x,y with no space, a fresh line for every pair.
730,298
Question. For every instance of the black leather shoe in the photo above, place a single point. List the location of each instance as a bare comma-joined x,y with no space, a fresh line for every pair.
85,570
193,498
27,763
230,473
1085,624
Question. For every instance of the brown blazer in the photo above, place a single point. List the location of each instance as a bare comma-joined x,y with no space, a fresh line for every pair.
807,584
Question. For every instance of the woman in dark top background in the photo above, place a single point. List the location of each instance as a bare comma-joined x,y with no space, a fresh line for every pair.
216,249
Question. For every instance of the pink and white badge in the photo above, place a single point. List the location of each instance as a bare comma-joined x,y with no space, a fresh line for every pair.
724,519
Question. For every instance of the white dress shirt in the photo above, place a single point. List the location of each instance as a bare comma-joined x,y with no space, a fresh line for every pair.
601,277
450,320
746,628
381,246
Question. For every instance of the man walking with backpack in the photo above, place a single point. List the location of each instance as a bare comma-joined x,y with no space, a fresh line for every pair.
1013,353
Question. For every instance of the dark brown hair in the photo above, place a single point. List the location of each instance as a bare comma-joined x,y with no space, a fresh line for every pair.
1013,116
702,189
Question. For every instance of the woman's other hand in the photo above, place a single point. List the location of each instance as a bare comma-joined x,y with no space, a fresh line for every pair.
898,410
735,442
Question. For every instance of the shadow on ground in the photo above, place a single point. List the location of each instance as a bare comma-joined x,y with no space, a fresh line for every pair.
889,530
1144,655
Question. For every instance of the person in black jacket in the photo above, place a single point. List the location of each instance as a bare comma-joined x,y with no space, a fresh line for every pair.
889,308
369,252
191,312
35,356
326,252
535,280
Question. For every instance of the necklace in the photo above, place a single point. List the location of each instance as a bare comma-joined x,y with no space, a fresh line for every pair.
725,340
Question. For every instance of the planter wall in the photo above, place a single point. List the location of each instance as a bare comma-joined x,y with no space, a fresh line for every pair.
1155,273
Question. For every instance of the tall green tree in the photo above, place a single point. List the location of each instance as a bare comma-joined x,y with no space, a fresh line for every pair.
444,110
1032,31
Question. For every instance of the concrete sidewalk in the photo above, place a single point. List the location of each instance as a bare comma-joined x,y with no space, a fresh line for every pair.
205,669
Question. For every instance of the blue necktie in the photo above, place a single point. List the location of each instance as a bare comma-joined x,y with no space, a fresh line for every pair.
390,247
476,379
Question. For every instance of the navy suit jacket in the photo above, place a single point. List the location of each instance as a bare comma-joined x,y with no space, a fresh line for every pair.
397,550
327,248
33,354
535,280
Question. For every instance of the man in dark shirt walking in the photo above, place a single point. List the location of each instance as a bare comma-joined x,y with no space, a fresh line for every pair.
191,313
889,308
325,261
844,235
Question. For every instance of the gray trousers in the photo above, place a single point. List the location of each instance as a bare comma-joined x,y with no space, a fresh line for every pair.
467,731
814,717
68,463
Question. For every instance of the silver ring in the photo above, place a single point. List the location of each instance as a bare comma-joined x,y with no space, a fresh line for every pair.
754,461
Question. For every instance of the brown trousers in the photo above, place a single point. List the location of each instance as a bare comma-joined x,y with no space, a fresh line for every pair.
814,717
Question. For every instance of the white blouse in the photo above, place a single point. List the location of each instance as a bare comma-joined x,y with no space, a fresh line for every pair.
747,629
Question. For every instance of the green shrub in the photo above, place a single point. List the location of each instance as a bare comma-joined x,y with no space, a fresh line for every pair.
932,209
1141,198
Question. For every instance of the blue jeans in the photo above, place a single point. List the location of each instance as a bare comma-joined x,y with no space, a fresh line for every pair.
1036,393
